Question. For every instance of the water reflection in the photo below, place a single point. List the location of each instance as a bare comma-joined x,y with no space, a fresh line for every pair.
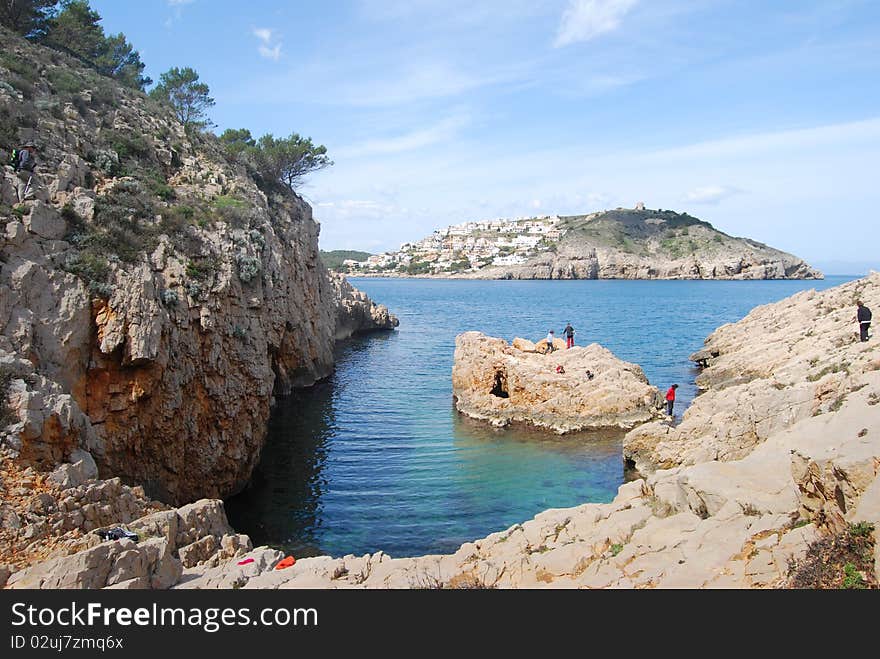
281,506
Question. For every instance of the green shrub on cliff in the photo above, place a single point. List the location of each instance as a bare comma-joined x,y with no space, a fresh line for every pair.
6,415
76,30
286,161
29,18
189,98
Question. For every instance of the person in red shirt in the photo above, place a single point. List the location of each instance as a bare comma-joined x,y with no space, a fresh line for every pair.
670,399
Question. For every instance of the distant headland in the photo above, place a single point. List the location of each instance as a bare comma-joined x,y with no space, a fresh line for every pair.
624,243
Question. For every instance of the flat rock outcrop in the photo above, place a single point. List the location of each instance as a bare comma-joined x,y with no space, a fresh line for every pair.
503,384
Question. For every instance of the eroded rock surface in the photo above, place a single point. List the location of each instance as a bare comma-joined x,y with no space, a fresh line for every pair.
782,363
153,298
503,384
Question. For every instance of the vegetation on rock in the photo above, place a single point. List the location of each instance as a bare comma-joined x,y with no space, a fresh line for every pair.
276,160
29,18
6,416
76,30
843,560
189,97
333,259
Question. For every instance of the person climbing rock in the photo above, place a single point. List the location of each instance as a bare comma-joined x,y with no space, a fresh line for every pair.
24,163
863,316
568,332
25,157
670,399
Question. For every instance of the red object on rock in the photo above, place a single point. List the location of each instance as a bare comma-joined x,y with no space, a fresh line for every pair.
287,561
246,561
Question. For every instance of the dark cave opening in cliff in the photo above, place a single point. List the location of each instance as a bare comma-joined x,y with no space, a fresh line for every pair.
499,386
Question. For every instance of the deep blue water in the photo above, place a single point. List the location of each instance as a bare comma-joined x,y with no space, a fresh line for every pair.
377,458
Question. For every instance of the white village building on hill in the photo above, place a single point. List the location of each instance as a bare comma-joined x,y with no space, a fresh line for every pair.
467,245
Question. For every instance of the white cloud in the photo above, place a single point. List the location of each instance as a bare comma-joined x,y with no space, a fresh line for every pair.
710,194
263,34
267,48
425,80
586,19
177,6
273,53
440,132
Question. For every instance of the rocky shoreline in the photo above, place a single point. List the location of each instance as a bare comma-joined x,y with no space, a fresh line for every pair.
781,451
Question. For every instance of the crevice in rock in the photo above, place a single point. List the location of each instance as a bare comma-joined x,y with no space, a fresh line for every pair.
499,386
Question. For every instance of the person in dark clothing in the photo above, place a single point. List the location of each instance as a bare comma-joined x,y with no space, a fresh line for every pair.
26,160
568,332
670,399
863,316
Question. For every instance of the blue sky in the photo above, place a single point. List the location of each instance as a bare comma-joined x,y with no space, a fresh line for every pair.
760,117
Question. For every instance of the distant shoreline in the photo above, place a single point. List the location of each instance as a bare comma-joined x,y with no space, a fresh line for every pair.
465,278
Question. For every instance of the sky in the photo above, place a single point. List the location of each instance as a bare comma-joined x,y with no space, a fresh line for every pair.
762,118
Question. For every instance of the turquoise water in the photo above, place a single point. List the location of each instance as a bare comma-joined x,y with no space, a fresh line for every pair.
377,458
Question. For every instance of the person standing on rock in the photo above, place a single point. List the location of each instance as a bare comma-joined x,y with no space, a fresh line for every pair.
568,332
670,399
549,340
863,316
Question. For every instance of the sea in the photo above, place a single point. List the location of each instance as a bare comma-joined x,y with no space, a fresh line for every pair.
377,458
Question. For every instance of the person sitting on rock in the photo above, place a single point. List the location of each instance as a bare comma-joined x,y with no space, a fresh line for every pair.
590,375
560,368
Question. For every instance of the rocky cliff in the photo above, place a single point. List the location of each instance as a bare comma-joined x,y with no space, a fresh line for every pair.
652,244
153,297
504,384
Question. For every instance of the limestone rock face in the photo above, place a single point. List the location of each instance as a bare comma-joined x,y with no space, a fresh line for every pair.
781,364
355,312
496,382
594,262
195,536
161,361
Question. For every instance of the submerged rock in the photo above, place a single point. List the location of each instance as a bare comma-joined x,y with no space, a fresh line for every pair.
499,383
